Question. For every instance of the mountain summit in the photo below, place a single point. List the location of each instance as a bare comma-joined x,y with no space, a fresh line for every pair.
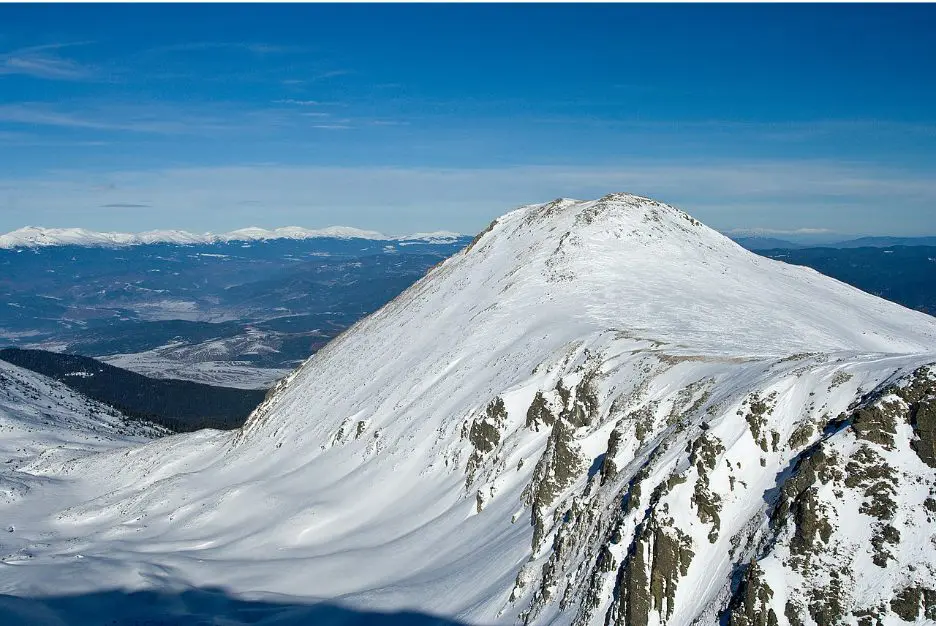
599,412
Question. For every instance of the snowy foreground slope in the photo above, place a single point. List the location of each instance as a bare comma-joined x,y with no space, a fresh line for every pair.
599,413
40,417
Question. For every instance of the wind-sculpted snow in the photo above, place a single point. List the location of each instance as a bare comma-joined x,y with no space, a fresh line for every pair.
598,413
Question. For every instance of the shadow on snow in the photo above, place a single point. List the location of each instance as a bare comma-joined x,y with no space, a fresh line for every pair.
198,607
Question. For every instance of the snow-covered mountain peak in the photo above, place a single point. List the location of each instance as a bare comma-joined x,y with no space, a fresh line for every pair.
632,263
662,381
632,220
600,412
549,276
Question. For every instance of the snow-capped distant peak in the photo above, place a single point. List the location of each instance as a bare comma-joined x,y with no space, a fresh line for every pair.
32,236
775,232
439,234
296,232
35,237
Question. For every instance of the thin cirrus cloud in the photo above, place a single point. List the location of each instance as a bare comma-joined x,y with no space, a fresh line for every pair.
332,74
196,46
37,115
48,62
303,103
45,62
159,120
174,120
213,118
783,131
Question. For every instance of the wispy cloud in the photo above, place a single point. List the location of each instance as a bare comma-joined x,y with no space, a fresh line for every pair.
192,119
303,103
36,116
316,76
332,74
45,62
125,205
20,139
263,48
130,118
780,131
196,46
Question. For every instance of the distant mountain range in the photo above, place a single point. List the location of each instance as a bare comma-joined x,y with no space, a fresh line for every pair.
34,237
235,314
766,242
886,242
902,274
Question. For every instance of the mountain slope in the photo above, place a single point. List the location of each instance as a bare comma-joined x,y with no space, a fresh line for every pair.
599,412
179,405
39,416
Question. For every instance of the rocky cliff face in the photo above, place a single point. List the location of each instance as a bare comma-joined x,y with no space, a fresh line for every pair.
827,528
600,413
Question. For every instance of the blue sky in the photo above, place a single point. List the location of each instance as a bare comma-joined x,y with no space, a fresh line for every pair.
422,117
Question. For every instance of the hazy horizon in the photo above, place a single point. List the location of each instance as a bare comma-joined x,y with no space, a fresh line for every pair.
793,235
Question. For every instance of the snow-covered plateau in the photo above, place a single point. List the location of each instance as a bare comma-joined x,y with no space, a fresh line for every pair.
600,412
157,364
